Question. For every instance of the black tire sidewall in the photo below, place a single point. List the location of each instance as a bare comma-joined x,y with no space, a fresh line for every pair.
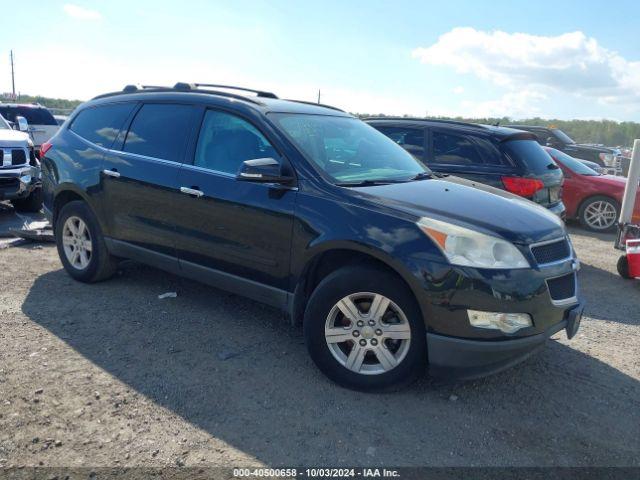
349,280
31,204
623,267
81,210
598,198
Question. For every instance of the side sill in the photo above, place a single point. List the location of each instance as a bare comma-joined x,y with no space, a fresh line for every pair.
216,278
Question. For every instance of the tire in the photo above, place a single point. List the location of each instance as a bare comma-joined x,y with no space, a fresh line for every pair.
623,267
360,285
609,208
30,204
99,264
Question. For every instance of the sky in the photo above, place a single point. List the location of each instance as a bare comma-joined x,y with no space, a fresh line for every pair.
554,59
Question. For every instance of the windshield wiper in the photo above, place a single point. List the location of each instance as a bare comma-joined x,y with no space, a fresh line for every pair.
422,176
369,183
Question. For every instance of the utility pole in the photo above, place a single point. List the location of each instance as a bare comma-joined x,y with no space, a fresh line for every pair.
13,78
318,95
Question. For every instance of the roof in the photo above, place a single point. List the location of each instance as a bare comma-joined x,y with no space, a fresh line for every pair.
262,100
21,105
528,127
497,131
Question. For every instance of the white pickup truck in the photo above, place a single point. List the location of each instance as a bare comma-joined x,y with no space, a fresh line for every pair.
41,125
19,168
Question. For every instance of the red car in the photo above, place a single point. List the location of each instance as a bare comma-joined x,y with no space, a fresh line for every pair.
590,197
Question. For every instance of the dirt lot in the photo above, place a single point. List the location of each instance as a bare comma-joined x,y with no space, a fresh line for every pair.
108,374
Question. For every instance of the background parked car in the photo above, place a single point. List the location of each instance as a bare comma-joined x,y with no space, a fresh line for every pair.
610,158
501,157
41,124
60,119
592,165
19,170
590,197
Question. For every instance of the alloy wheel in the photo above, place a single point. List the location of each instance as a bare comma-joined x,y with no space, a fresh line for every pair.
76,241
367,333
600,215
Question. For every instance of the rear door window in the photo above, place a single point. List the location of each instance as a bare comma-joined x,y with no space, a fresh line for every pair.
101,124
411,139
160,131
529,154
454,150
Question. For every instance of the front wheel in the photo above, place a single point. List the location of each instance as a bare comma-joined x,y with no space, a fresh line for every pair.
364,329
599,214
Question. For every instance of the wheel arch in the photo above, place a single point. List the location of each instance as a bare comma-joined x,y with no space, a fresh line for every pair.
65,194
327,258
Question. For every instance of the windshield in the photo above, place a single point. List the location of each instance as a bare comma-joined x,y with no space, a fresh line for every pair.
349,150
3,124
563,136
571,163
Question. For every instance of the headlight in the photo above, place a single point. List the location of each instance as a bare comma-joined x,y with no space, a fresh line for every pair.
609,159
466,247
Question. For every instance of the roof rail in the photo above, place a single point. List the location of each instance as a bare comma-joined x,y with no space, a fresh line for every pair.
314,103
179,87
259,93
423,119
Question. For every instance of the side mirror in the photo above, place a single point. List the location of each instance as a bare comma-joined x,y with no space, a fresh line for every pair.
262,170
23,125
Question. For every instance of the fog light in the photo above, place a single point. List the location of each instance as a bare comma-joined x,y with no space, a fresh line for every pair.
26,179
506,322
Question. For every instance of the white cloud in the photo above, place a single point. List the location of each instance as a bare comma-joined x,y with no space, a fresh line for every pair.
569,63
81,13
517,104
458,90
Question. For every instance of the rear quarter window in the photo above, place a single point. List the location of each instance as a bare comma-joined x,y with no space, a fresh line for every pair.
529,155
101,124
463,149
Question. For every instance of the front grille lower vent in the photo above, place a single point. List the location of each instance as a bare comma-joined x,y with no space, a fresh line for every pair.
562,288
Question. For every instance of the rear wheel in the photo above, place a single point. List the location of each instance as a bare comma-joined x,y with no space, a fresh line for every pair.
30,204
81,246
599,213
364,329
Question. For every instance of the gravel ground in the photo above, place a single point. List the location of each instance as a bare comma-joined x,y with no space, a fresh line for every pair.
108,374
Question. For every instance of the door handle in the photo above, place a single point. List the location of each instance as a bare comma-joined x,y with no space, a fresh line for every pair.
192,191
111,173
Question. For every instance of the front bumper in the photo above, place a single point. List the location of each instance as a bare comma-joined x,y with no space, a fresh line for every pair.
465,359
18,182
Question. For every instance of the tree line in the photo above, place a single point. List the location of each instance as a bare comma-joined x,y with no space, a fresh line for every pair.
606,132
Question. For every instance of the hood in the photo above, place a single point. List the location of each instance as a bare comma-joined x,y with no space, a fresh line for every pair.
469,204
592,148
13,138
611,180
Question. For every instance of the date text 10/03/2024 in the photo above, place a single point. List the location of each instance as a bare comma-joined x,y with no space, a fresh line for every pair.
316,472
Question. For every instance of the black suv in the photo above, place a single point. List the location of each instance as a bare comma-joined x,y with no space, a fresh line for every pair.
609,158
309,209
501,157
